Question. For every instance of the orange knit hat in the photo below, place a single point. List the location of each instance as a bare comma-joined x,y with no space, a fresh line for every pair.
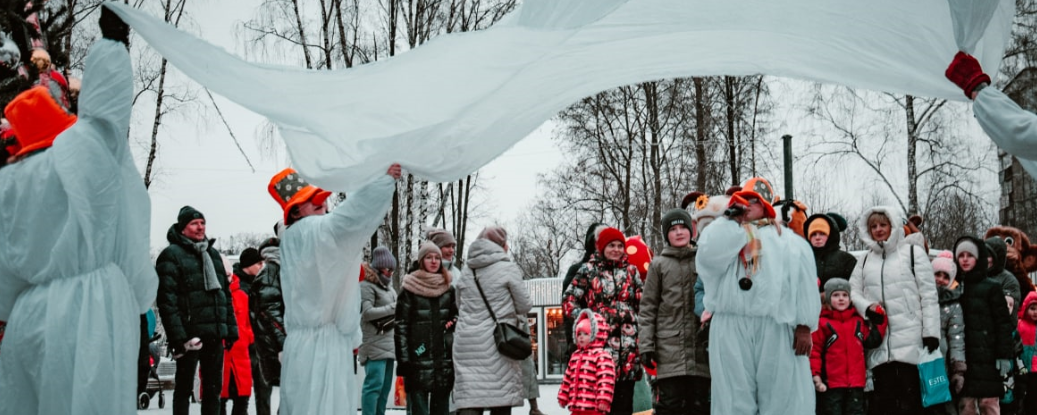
36,119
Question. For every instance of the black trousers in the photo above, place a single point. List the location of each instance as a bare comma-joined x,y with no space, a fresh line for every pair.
260,389
897,390
623,398
842,401
210,360
144,357
683,395
240,402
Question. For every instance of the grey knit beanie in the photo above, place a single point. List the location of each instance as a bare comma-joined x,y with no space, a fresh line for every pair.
382,258
833,285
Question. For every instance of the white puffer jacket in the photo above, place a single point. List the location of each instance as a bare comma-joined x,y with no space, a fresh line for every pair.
885,276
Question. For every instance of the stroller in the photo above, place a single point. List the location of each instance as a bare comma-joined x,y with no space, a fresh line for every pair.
161,375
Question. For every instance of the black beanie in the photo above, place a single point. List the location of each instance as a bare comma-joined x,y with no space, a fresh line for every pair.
675,217
840,221
187,214
249,257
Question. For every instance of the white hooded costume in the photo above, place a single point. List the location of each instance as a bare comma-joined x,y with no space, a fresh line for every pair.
75,271
320,266
753,365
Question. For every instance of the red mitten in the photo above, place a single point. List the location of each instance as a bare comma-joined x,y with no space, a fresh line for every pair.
966,73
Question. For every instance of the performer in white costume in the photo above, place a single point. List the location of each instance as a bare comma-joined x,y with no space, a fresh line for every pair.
320,265
75,272
761,286
1012,128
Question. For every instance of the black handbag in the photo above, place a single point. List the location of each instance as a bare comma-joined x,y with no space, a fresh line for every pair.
384,324
511,341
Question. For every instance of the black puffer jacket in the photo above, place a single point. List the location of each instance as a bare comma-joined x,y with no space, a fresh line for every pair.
424,348
830,260
988,327
267,305
589,248
186,308
998,273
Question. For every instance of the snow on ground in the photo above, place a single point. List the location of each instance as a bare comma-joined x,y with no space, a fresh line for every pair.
548,404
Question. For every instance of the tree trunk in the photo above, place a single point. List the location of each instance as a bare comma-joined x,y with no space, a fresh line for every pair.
700,136
325,31
912,163
153,151
302,35
652,102
732,140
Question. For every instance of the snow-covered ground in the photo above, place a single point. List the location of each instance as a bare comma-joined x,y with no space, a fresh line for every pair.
547,402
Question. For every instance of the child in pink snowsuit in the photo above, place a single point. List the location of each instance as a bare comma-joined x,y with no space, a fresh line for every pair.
591,375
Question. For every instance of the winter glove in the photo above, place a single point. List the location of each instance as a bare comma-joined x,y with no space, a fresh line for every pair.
957,382
931,343
648,359
112,27
876,316
193,344
228,344
802,343
1004,366
403,369
966,73
819,385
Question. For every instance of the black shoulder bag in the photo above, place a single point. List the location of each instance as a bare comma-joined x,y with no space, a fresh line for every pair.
511,341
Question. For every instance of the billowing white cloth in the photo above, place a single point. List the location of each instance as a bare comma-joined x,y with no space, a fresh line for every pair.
449,107
75,271
752,331
320,267
1011,127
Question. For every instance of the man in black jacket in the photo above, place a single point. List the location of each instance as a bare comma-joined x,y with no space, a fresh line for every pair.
195,304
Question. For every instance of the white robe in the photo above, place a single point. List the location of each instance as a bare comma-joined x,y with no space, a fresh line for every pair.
1011,127
75,271
751,334
320,266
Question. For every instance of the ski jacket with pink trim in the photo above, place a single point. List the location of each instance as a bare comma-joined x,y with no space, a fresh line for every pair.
591,376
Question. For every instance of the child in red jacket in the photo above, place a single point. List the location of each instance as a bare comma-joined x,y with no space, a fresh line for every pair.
237,368
837,359
1028,332
591,375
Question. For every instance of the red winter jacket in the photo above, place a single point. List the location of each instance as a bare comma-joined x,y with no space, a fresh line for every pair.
839,344
236,363
591,376
1028,333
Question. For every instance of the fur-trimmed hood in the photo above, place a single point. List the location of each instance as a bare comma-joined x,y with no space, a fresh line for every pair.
599,328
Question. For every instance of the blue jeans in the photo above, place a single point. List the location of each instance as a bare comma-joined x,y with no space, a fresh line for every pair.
378,378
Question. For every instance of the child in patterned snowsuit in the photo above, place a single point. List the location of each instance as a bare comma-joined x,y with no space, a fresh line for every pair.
590,378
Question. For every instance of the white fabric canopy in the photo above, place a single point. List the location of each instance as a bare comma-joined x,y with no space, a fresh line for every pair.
449,107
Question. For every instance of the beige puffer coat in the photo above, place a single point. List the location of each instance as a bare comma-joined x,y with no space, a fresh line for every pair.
483,378
884,276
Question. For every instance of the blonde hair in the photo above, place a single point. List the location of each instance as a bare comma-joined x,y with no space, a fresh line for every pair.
875,217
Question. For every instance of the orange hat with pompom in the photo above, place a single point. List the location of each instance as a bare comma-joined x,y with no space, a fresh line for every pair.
36,120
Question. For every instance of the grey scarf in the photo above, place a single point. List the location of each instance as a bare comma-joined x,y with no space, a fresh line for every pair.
211,282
